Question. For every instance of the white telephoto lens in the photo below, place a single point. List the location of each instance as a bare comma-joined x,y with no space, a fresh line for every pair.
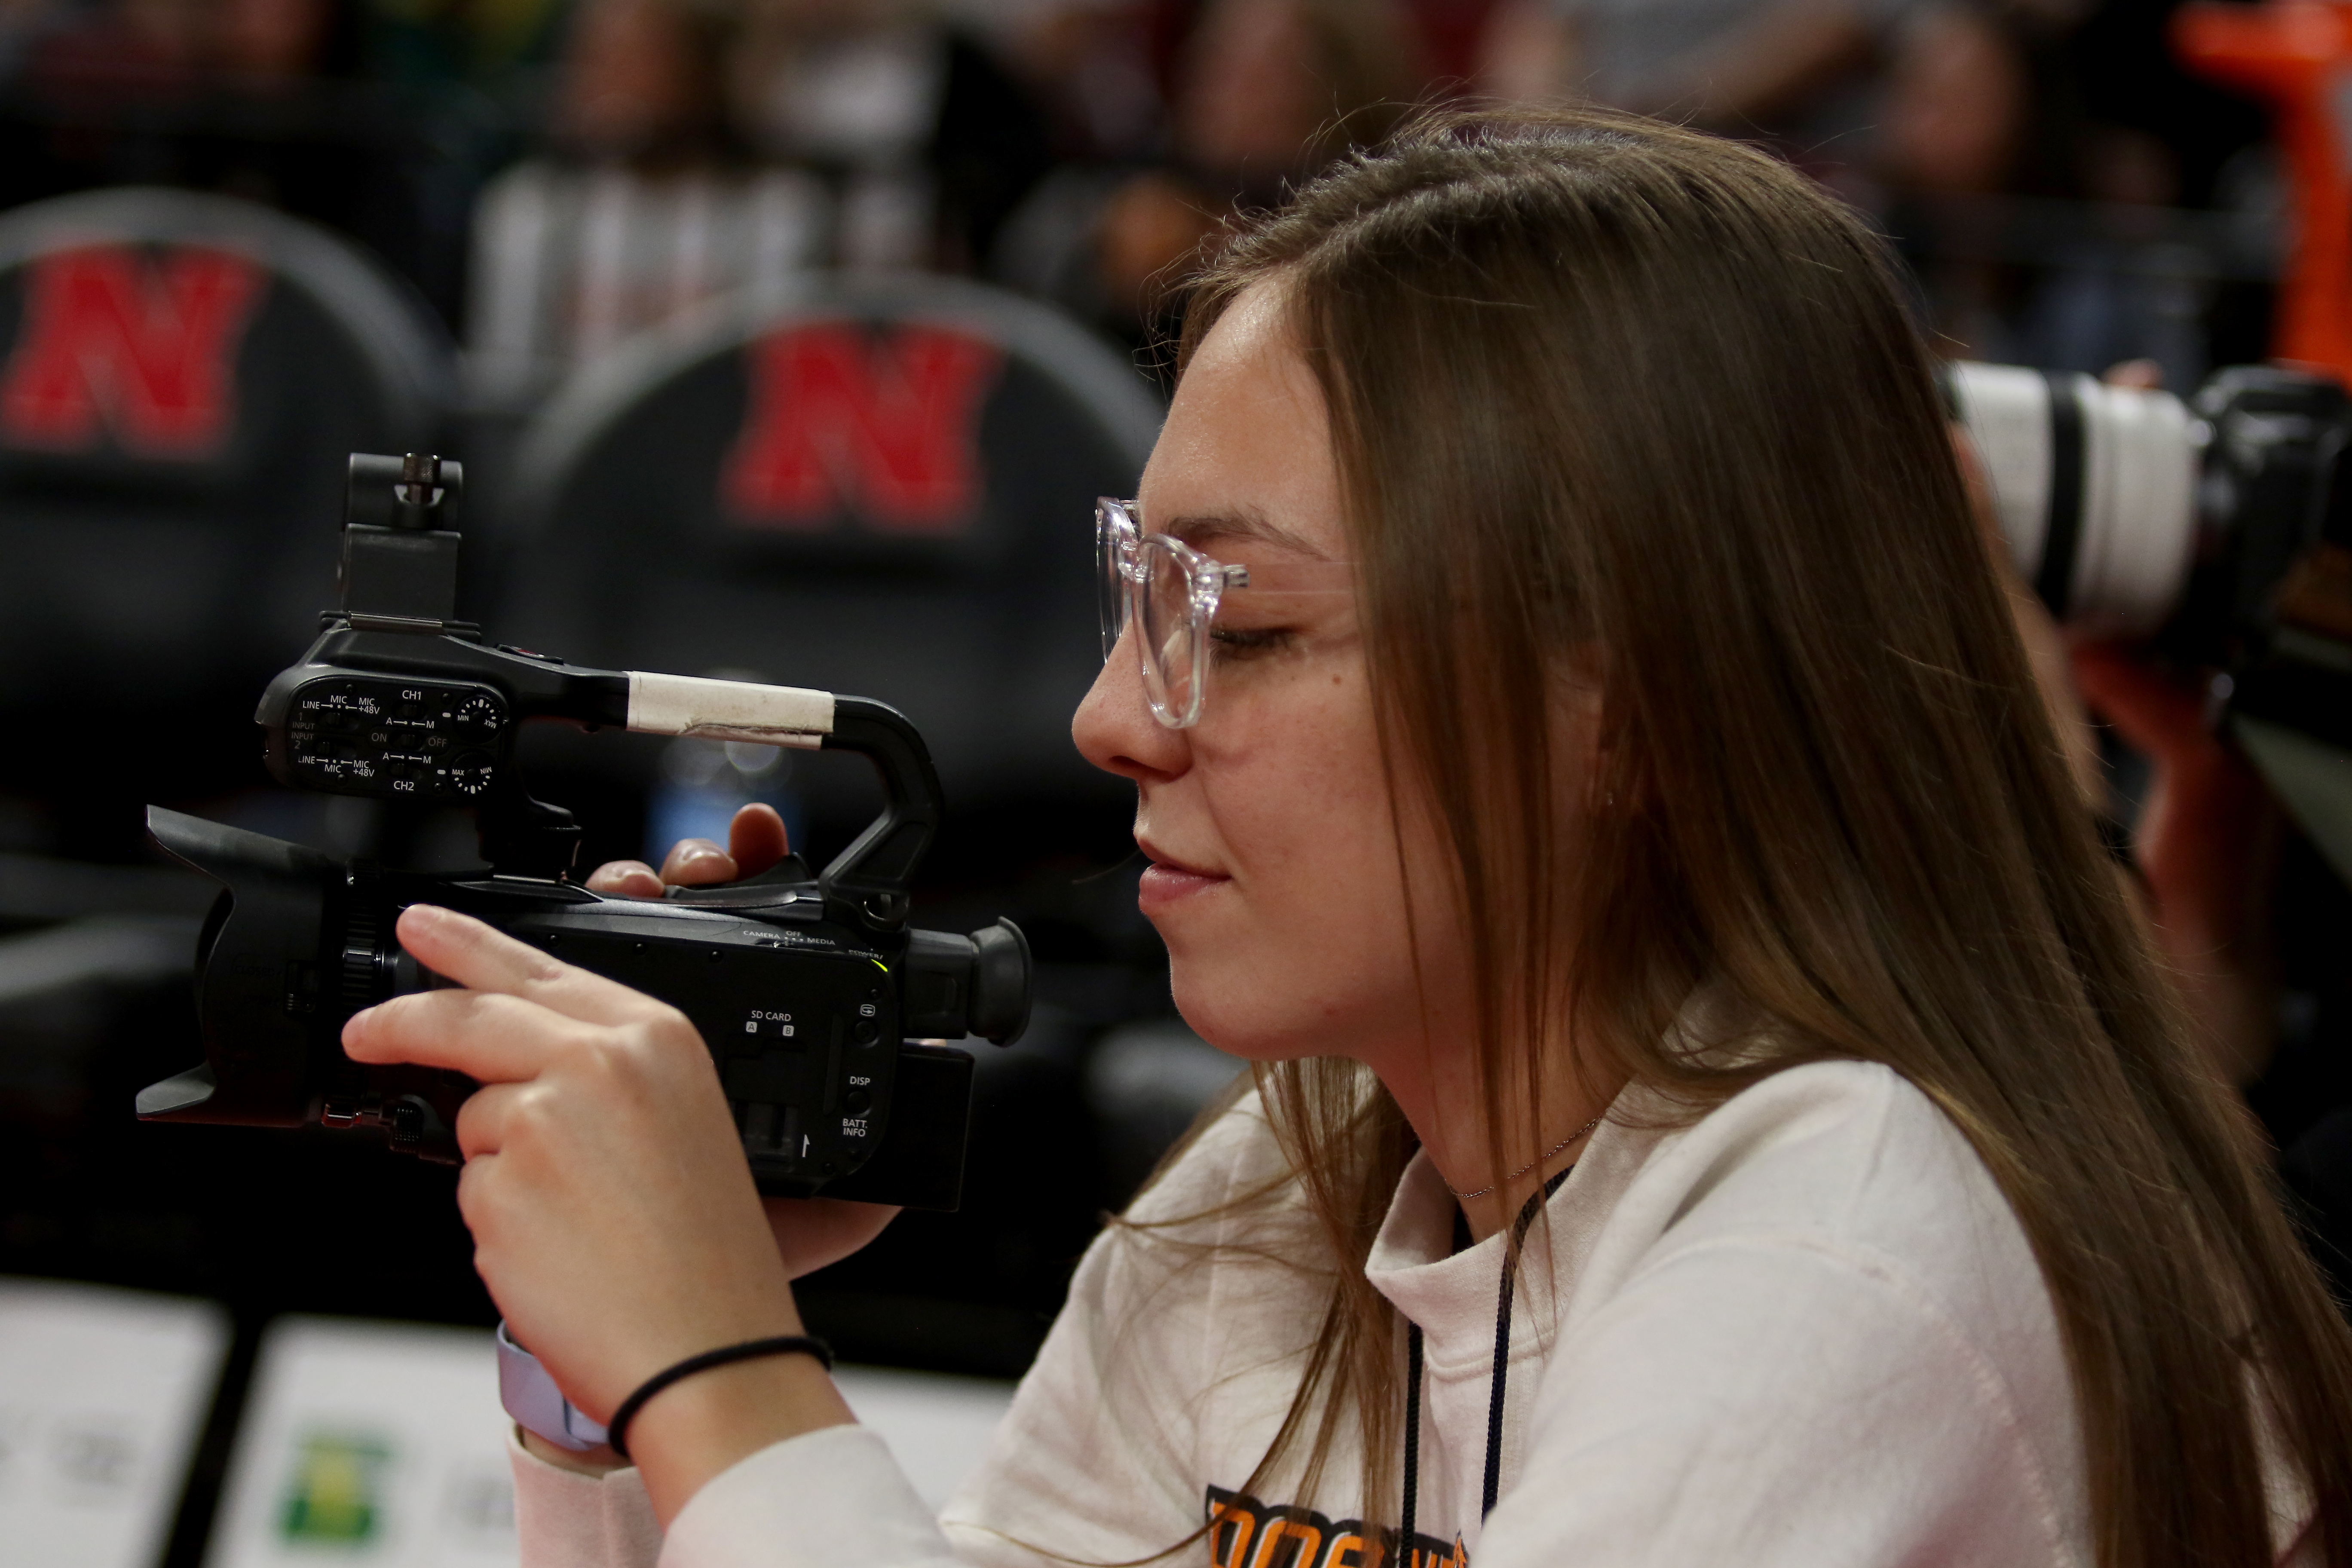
2095,488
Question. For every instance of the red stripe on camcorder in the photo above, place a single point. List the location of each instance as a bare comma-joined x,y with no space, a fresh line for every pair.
883,424
111,344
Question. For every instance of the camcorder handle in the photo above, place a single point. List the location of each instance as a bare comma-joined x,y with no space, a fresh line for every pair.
398,620
872,874
523,836
875,871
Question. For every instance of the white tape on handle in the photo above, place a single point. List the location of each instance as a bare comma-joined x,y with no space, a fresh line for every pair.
729,711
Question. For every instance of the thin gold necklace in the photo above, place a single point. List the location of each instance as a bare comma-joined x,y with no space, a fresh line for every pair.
1523,1170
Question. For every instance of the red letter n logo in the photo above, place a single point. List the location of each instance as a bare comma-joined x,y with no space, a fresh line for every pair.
148,353
883,424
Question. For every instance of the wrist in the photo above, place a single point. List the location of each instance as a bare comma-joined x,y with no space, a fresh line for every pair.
701,1425
599,1461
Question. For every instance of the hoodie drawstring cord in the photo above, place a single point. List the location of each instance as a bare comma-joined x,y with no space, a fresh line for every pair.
1499,1382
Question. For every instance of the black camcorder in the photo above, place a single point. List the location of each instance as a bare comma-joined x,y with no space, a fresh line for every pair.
806,987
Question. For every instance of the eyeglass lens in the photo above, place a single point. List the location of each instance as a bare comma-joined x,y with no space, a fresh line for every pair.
1151,580
1114,544
1170,637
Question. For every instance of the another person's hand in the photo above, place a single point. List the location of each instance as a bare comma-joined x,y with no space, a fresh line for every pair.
2204,844
2209,828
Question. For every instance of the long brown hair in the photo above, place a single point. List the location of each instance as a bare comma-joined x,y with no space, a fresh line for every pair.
1602,388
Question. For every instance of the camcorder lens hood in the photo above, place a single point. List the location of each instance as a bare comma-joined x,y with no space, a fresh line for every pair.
807,987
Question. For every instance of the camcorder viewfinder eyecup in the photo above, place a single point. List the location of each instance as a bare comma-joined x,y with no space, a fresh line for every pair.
806,986
2219,528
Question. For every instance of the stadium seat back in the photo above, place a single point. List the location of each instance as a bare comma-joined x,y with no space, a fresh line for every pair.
880,487
182,377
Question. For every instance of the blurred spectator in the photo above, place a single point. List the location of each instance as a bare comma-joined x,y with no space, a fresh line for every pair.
1272,90
22,25
1956,128
127,49
1958,102
928,141
2041,234
1265,92
698,148
262,43
266,100
1450,34
502,47
648,203
1108,65
1801,74
2031,156
1102,66
2126,75
152,48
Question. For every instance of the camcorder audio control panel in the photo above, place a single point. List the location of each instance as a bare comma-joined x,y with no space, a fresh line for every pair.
807,987
401,738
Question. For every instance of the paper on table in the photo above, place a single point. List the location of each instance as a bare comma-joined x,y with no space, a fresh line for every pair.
370,1443
384,1444
102,1395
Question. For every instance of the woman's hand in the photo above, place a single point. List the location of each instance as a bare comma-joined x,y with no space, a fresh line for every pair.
614,1220
755,841
810,1232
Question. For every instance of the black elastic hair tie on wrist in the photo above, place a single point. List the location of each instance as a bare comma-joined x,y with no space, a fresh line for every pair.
617,1431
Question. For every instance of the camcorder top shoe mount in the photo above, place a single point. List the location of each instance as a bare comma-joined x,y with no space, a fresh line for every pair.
805,986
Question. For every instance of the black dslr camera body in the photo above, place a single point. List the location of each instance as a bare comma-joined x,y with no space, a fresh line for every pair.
805,986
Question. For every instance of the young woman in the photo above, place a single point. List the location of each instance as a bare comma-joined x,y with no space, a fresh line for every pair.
1712,1104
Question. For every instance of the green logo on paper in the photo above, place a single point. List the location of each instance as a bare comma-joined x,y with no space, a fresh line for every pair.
332,1497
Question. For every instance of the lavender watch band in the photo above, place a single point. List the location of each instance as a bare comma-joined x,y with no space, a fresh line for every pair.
532,1397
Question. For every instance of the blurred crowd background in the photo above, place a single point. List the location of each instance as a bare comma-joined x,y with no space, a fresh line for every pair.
565,212
552,174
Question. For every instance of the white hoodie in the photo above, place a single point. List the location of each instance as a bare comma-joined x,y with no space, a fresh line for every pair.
1806,1329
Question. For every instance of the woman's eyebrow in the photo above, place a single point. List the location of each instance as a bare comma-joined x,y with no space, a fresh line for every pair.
1243,524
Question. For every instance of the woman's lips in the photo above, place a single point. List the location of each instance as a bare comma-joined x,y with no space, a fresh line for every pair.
1165,883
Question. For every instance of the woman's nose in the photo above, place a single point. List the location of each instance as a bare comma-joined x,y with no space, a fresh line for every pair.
1114,728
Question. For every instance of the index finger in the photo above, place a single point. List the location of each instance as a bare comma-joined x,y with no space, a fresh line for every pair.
482,958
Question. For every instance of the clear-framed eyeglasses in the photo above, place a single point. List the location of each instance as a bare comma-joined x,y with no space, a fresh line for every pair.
1171,594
